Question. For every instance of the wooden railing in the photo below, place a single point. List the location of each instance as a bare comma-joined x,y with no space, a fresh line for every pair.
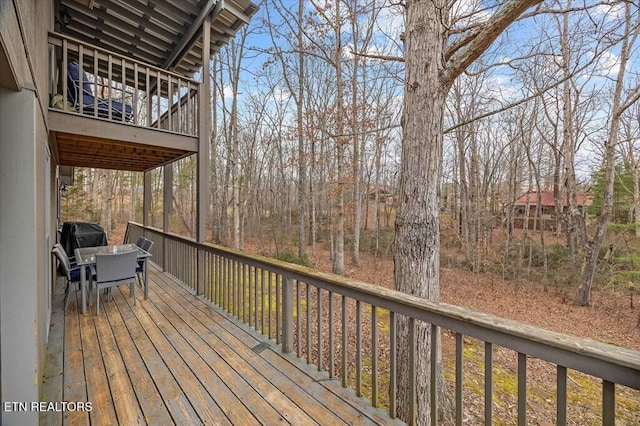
347,329
157,98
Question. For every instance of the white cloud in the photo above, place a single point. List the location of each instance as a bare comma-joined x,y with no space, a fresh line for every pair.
610,63
227,92
610,12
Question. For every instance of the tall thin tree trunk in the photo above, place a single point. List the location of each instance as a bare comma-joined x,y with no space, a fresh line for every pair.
302,163
338,260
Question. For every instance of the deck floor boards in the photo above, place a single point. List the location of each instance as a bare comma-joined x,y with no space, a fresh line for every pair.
174,359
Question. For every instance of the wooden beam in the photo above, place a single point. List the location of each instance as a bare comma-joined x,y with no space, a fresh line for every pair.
94,127
190,37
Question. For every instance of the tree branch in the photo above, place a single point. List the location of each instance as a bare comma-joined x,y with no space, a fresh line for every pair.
475,43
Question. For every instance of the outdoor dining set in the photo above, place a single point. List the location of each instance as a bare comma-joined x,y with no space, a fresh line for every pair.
95,262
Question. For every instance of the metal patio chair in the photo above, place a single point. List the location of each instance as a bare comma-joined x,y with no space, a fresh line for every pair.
114,269
69,269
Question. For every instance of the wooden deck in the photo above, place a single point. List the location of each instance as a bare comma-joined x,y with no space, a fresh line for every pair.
173,359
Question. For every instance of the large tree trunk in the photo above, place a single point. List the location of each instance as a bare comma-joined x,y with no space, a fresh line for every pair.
430,69
417,238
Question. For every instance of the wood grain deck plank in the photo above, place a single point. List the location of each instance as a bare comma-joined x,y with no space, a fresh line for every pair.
53,378
344,402
125,402
182,338
174,359
298,395
75,387
149,398
257,394
98,389
205,406
178,405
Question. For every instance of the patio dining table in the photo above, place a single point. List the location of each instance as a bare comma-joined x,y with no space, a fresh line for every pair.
86,256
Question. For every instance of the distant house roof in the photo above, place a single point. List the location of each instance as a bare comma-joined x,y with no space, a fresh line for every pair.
547,199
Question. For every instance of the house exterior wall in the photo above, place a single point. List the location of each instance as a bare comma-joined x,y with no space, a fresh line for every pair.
27,226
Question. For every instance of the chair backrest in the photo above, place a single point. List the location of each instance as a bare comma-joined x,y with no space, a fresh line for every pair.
116,266
146,244
140,242
61,255
73,82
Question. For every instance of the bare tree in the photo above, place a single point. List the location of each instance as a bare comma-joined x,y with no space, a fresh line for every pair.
619,105
432,63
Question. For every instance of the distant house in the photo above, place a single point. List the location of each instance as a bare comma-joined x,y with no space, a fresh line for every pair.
526,210
384,192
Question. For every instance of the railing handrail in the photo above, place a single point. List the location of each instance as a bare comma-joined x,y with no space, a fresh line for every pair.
54,36
585,355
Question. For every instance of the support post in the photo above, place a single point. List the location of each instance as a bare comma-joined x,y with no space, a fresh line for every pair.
146,199
204,108
167,205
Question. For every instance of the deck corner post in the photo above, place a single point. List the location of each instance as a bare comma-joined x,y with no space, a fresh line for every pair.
287,314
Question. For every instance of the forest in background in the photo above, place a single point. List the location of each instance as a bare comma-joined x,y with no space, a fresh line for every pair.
306,141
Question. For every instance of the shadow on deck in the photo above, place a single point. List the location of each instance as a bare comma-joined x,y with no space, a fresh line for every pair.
174,359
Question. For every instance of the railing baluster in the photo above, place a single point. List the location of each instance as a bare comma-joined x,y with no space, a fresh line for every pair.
433,379
608,403
136,93
319,326
181,128
287,314
225,283
332,362
244,293
81,81
279,313
345,343
169,102
488,383
65,71
522,389
110,79
149,96
308,293
392,364
459,376
96,67
249,306
236,289
158,97
298,321
122,89
270,304
262,301
412,372
358,348
218,280
374,355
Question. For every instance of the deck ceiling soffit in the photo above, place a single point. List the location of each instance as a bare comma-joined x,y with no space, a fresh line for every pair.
102,153
163,33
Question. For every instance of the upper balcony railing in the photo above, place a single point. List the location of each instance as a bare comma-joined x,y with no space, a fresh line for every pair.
119,88
347,329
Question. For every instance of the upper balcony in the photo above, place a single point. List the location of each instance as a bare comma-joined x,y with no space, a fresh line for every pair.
124,88
130,115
